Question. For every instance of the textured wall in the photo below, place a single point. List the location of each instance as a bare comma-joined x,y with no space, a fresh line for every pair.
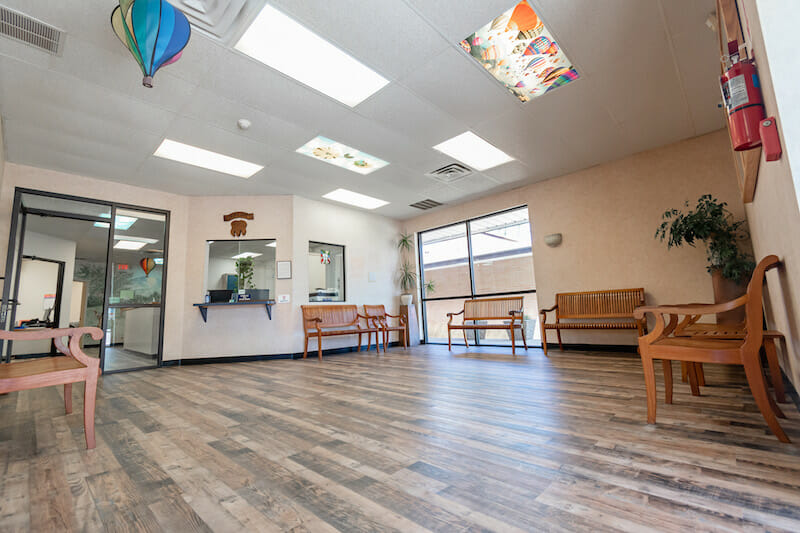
608,215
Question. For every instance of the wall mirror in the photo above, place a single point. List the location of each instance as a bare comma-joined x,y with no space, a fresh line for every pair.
233,266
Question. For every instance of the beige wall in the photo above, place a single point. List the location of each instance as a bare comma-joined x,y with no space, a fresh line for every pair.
774,216
608,215
369,240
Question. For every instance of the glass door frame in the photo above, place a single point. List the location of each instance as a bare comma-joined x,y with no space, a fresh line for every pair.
471,262
11,256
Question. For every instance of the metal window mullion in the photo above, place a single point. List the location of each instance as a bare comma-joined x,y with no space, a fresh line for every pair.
107,289
475,335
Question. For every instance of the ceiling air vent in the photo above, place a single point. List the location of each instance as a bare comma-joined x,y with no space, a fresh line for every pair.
450,174
223,20
426,204
30,31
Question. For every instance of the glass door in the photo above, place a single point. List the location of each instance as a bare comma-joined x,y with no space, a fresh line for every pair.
133,322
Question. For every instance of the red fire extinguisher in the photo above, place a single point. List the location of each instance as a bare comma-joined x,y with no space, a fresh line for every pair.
741,92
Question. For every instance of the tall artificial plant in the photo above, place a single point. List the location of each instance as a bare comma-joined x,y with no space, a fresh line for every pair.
244,271
407,274
713,224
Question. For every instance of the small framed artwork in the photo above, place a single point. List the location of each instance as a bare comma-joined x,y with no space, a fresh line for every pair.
284,270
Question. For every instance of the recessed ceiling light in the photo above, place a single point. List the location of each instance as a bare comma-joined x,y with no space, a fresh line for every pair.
474,151
521,53
129,245
285,45
121,222
192,155
353,198
341,155
244,255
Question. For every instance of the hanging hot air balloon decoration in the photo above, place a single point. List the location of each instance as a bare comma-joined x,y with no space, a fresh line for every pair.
154,32
147,264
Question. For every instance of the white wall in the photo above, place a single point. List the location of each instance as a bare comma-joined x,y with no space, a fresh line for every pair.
47,247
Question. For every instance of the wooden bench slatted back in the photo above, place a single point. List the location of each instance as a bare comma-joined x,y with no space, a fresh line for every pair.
331,316
492,308
378,311
617,303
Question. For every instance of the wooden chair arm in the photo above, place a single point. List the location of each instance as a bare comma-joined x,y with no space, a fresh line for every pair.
451,315
73,347
544,312
690,309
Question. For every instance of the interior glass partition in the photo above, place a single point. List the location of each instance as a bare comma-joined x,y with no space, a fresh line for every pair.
76,262
483,257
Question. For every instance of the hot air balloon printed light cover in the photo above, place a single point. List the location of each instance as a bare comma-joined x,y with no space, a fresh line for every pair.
153,31
521,53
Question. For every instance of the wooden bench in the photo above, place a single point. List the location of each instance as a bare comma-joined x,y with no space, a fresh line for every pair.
617,304
334,320
508,309
72,367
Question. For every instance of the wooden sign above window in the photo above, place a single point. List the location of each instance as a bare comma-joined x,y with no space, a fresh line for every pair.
238,224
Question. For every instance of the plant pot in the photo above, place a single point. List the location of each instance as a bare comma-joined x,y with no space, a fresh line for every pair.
405,299
726,290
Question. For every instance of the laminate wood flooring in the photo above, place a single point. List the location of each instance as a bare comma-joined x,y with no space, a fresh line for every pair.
415,440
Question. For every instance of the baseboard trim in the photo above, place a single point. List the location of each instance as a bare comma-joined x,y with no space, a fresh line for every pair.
625,348
251,358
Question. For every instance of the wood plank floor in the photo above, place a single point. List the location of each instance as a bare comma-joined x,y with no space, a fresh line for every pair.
416,440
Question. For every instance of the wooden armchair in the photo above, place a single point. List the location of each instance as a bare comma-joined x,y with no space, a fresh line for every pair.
379,317
72,367
661,343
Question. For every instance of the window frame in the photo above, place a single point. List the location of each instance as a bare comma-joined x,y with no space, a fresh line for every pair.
471,261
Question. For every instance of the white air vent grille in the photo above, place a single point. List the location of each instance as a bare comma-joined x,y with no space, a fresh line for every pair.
28,30
450,174
223,20
426,204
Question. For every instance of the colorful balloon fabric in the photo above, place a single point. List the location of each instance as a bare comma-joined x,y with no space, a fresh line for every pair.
523,18
147,264
154,32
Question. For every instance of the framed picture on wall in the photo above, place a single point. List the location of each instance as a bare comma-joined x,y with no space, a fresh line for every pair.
284,270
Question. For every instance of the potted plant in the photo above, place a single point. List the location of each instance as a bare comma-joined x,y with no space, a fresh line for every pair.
407,275
244,272
711,223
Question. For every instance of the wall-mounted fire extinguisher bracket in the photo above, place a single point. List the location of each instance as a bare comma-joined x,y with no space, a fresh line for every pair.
741,93
768,131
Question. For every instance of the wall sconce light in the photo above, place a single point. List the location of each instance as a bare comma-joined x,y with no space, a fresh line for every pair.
553,240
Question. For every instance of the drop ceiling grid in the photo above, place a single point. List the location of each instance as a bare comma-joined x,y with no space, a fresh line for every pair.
436,92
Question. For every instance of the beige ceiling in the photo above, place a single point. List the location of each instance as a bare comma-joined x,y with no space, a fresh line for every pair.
648,77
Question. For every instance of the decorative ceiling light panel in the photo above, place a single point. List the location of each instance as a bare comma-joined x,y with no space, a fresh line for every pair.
521,53
341,155
153,31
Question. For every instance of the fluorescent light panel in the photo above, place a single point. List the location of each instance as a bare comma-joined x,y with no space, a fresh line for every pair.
474,151
245,254
121,222
353,198
341,155
144,240
192,155
130,245
285,45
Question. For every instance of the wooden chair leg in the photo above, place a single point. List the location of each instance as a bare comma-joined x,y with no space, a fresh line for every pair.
558,334
701,375
667,365
692,373
68,397
544,337
358,349
385,339
650,386
524,340
755,378
449,340
774,370
319,348
513,343
466,342
89,398
305,352
684,371
405,338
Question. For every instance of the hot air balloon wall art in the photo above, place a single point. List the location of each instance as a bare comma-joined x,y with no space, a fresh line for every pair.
153,31
521,53
147,264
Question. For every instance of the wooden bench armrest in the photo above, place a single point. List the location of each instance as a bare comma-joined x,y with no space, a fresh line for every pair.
545,311
71,349
451,315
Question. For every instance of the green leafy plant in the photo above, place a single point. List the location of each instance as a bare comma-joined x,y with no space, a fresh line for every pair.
429,287
407,276
406,242
244,270
713,224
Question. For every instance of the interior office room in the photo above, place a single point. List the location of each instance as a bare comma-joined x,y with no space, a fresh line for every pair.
497,265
